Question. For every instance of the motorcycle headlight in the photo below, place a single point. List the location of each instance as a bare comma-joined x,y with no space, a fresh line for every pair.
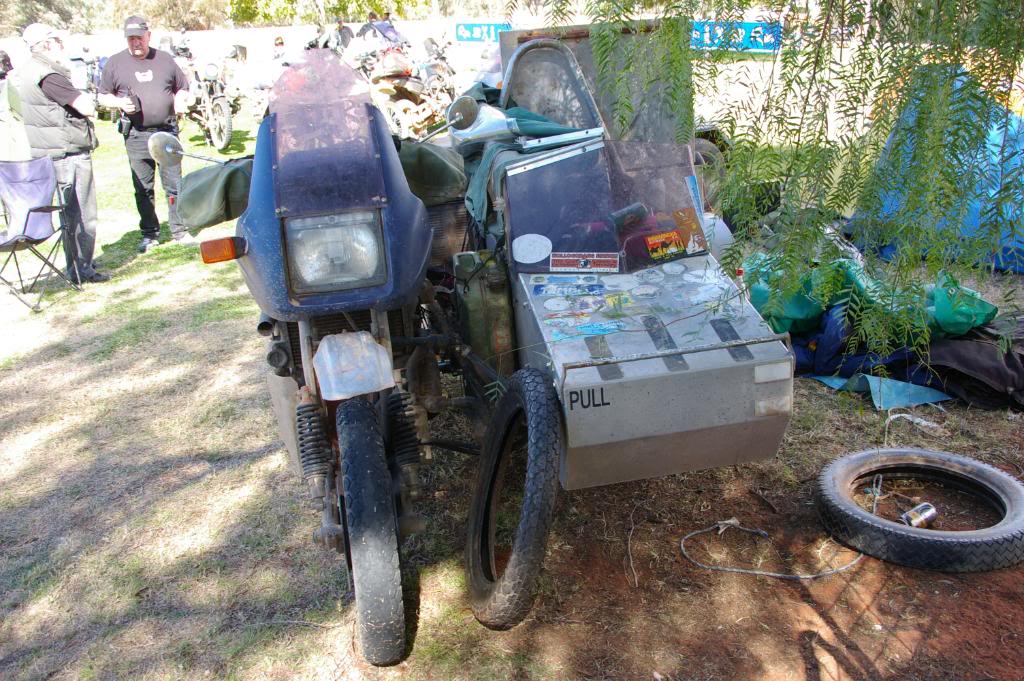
211,72
335,252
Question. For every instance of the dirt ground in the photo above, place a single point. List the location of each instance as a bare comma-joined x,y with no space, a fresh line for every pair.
149,528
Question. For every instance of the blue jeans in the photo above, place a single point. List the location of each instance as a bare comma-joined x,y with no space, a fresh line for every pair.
78,193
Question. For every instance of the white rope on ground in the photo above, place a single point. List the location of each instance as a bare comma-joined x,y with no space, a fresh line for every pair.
876,492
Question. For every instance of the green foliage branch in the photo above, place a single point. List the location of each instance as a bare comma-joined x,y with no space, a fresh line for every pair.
852,81
322,12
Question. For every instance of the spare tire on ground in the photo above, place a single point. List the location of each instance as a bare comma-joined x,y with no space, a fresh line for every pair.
997,546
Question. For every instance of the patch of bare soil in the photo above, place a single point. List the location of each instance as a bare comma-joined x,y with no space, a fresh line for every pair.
625,604
618,600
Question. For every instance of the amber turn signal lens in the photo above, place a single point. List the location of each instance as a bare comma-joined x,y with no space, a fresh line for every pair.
221,250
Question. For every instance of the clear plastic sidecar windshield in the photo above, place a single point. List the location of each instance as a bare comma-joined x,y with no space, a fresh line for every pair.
325,152
611,207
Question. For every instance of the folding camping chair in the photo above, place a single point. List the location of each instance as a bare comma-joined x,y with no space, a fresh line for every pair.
27,190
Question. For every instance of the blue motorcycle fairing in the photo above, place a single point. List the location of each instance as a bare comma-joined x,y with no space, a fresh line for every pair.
407,238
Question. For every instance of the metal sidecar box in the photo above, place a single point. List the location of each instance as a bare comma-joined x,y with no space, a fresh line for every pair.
661,364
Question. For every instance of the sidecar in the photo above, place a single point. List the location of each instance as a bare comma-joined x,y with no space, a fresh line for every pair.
628,353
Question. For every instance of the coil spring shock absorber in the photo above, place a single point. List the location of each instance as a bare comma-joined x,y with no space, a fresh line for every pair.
405,445
404,448
314,450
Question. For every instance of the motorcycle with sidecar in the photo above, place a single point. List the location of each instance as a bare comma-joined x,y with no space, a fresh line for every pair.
573,290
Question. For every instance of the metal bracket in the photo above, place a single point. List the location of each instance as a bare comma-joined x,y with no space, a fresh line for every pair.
560,140
723,345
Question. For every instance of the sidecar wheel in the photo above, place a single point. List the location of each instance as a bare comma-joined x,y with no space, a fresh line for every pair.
220,124
710,163
514,502
372,533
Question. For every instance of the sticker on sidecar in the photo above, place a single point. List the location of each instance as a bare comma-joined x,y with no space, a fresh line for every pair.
591,329
568,290
563,279
584,262
665,245
588,398
531,248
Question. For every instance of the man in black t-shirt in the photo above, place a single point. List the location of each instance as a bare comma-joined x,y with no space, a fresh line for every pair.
56,118
150,89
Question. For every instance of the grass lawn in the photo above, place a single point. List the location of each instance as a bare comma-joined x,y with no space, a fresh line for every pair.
150,527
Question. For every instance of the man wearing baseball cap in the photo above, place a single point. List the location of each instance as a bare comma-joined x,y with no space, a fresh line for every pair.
56,117
149,88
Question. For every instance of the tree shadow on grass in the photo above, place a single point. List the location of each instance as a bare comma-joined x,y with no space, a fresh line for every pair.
235,147
83,526
119,256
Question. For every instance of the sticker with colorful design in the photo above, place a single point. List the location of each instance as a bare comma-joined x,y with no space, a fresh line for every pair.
563,279
665,245
593,329
567,289
584,262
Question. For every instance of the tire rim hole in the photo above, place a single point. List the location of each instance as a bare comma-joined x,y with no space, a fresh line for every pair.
962,507
506,501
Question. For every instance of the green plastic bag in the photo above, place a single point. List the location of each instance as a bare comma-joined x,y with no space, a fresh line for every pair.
956,309
798,312
952,309
435,174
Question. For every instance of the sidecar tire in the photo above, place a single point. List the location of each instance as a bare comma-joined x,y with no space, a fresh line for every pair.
503,601
712,161
372,534
221,139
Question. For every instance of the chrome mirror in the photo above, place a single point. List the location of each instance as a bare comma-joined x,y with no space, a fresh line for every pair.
463,112
165,149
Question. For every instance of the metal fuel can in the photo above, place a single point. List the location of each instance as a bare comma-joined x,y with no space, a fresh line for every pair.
921,515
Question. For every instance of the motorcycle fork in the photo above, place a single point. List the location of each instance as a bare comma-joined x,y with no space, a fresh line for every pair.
321,472
399,417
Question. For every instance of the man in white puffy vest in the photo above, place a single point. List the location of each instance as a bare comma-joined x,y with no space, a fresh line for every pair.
57,123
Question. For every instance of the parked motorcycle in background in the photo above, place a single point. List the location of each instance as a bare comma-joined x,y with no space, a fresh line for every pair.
211,104
437,71
414,96
85,71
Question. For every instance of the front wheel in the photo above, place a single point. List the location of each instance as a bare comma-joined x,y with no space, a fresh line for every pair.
220,124
400,111
372,533
514,502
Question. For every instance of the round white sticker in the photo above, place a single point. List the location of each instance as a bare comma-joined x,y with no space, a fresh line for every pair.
556,304
651,276
531,248
674,268
620,282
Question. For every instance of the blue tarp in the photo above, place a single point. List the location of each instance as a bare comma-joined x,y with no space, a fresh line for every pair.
886,393
1000,161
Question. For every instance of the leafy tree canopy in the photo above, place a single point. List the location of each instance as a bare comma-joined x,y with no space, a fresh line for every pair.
257,12
75,15
864,102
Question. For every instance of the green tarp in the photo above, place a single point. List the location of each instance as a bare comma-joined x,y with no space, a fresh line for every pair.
215,194
435,174
952,309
